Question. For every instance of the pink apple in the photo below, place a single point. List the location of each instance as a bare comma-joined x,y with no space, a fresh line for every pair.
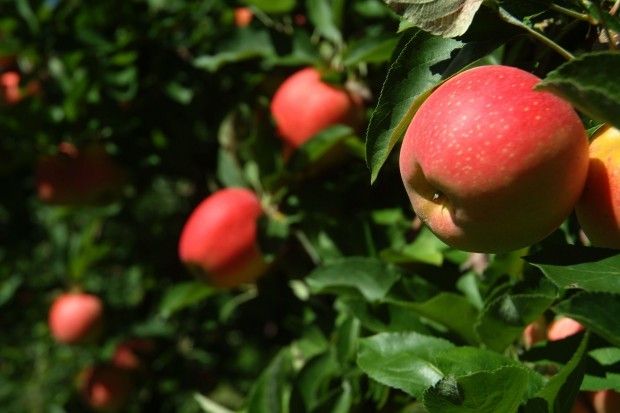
563,327
219,238
598,209
304,105
243,16
106,388
75,318
534,332
605,401
129,354
491,165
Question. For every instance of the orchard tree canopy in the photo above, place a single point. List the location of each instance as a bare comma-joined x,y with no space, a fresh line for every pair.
287,206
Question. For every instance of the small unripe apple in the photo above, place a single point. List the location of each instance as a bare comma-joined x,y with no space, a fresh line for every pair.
75,176
75,318
106,388
605,401
243,16
304,105
491,165
563,327
598,209
219,240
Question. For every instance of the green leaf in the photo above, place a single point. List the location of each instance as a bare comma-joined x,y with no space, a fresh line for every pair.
426,248
588,83
313,380
247,44
590,269
270,392
315,149
597,311
374,49
321,14
384,317
500,390
184,295
402,360
273,6
504,318
366,276
447,18
606,356
560,391
452,310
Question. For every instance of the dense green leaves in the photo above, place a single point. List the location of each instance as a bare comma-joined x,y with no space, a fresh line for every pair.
588,83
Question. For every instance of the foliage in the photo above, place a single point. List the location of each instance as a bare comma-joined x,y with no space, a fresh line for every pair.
362,310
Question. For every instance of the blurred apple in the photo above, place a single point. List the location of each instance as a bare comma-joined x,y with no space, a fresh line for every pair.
129,355
76,318
563,327
490,164
9,85
243,16
598,209
605,401
534,332
78,176
304,105
106,388
219,241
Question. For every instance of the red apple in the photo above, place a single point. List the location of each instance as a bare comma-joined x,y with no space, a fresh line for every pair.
9,85
304,105
598,209
605,401
243,16
78,176
491,165
106,388
129,354
219,238
75,318
563,327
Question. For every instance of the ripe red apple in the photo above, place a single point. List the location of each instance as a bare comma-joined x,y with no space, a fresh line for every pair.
605,401
598,209
563,327
304,105
243,16
129,354
75,318
106,388
219,238
78,176
489,164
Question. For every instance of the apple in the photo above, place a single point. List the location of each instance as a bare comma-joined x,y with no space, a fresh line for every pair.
534,332
219,241
598,209
9,83
129,354
243,16
106,388
304,105
605,401
580,406
75,318
75,176
563,327
491,165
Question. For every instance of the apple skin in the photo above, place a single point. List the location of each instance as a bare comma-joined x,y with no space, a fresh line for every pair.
304,105
218,241
563,327
598,209
106,388
76,318
75,176
489,164
9,85
534,332
243,16
605,401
